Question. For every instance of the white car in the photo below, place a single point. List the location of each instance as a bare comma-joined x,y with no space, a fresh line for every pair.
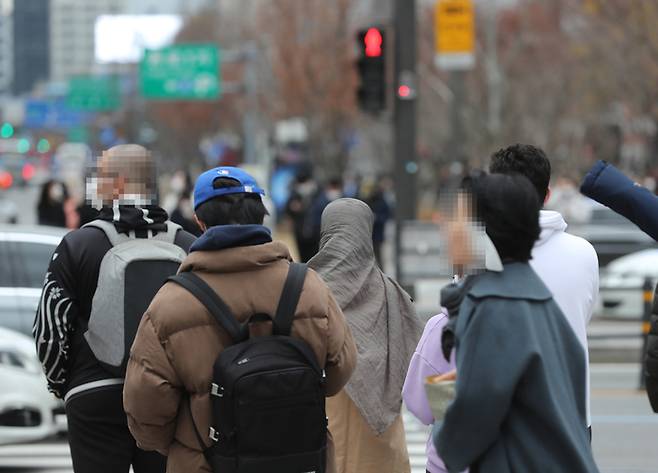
621,284
28,412
25,252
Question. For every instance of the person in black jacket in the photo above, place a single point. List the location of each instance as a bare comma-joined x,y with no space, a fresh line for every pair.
98,433
607,185
50,208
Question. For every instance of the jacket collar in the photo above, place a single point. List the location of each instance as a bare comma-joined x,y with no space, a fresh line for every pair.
516,281
231,236
237,259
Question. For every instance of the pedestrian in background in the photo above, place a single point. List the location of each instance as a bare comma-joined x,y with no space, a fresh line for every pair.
364,418
171,366
302,196
567,264
520,391
373,193
50,209
91,304
183,215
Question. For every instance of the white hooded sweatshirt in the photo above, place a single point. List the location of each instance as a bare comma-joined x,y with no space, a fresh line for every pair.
569,267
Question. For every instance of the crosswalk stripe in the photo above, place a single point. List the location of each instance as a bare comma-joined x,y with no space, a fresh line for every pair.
417,435
55,456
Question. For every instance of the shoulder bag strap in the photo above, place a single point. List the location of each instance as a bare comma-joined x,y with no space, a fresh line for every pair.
292,290
211,300
170,235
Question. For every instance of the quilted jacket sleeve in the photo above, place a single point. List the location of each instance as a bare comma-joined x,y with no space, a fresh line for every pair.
150,376
607,185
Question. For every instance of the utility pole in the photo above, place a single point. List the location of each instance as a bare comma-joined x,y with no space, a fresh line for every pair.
250,118
495,82
404,122
457,135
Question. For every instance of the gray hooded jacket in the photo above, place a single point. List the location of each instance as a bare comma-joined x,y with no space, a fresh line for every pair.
520,403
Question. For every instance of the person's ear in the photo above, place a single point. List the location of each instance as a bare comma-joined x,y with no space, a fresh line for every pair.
200,224
548,195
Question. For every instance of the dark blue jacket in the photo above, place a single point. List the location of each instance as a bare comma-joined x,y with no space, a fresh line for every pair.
607,185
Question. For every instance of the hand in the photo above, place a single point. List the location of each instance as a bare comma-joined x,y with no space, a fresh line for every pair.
449,376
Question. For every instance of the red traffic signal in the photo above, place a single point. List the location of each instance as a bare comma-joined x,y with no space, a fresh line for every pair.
373,41
371,66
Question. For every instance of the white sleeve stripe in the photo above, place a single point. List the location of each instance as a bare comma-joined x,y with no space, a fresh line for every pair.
58,322
49,319
51,332
59,353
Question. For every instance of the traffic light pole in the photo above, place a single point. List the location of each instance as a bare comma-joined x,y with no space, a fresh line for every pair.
404,123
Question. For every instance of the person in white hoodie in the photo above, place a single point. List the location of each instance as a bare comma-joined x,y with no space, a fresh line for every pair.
567,264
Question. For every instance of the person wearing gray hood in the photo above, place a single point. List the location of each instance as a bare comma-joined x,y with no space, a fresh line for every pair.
364,418
567,264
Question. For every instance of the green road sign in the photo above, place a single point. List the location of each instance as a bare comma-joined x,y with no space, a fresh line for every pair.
94,94
181,72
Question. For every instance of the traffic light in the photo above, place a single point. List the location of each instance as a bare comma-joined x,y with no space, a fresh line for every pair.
371,64
23,145
7,130
43,146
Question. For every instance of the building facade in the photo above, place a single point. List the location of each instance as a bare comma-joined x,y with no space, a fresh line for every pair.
73,22
6,46
72,25
31,44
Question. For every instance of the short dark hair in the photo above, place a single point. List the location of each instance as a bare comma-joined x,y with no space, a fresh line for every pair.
526,160
232,209
508,207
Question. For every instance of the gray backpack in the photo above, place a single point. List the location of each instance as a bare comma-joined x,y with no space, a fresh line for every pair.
131,273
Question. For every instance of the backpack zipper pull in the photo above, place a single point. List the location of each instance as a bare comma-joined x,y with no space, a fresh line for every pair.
217,390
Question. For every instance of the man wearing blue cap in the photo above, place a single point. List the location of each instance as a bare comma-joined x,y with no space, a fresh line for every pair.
166,394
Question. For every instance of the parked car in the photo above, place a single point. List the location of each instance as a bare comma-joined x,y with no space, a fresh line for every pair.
621,284
611,234
28,412
25,252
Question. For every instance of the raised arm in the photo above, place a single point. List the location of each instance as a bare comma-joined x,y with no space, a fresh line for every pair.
607,185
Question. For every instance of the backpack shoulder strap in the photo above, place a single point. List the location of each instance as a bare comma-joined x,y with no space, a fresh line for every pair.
110,231
211,300
170,235
292,290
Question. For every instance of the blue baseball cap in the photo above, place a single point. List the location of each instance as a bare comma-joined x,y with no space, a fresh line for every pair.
204,190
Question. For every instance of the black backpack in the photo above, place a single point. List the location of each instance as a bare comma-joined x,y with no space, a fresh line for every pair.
267,393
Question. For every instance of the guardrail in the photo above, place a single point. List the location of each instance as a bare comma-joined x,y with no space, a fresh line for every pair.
647,297
647,292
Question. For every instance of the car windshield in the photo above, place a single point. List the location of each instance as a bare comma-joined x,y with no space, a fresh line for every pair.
25,263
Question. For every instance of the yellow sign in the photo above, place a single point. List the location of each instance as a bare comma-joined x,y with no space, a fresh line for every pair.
455,33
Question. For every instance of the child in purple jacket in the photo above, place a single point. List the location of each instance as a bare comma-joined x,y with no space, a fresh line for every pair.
428,360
